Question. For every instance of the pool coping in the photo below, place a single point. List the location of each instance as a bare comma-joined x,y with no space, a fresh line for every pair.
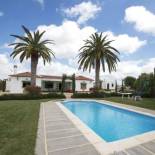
102,146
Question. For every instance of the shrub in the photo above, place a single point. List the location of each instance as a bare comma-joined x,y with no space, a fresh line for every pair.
95,95
88,95
31,97
33,90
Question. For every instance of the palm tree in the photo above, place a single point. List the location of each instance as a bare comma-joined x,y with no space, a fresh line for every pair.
98,51
34,47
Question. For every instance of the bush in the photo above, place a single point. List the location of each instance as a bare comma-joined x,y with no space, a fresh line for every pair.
33,90
31,97
95,95
88,95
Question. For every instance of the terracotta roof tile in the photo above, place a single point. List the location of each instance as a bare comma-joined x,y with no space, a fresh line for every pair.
51,77
24,74
83,78
28,74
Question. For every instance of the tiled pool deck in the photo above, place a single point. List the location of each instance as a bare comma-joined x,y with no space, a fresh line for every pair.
62,133
57,135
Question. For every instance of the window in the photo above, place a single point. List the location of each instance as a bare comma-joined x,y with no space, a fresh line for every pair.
107,86
83,86
26,83
49,84
112,85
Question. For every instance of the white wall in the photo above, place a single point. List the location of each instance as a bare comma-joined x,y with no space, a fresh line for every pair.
15,84
89,84
105,83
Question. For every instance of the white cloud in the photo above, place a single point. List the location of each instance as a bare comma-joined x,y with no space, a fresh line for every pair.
6,66
55,68
83,11
6,46
125,43
41,2
1,14
143,19
68,37
130,68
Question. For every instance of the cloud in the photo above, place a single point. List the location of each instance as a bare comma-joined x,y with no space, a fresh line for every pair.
6,46
125,43
143,19
130,68
6,65
41,2
55,68
83,11
1,14
68,38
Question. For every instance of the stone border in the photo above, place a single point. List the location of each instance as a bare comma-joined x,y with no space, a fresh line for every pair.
100,144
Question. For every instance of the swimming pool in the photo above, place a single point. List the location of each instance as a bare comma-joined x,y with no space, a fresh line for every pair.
109,122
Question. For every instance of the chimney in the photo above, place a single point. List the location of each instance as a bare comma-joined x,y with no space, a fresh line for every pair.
15,69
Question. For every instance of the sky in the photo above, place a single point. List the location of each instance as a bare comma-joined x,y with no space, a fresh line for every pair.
130,23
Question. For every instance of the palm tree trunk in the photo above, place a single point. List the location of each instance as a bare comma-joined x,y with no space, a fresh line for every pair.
34,63
97,75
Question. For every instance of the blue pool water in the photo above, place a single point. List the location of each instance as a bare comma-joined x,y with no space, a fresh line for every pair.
109,122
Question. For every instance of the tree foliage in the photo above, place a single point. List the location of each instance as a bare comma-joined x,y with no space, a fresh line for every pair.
32,46
96,52
145,85
129,81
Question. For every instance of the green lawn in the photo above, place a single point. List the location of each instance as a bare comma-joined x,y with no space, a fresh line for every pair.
18,126
145,103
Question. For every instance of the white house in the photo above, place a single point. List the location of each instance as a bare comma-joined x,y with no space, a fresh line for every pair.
108,85
17,82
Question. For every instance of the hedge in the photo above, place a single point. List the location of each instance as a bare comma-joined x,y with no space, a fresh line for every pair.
31,97
94,95
88,95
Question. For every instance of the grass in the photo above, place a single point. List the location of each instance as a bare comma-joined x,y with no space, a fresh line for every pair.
148,103
18,126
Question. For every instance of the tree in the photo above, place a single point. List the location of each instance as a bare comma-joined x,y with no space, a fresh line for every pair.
64,78
32,46
2,85
116,86
143,85
73,83
129,81
96,52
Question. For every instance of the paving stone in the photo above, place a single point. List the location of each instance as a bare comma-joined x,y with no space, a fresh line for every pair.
63,143
53,116
83,150
138,150
55,123
63,133
59,127
119,153
150,146
57,119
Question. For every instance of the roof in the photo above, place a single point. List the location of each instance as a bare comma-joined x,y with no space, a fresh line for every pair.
83,78
24,74
28,74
